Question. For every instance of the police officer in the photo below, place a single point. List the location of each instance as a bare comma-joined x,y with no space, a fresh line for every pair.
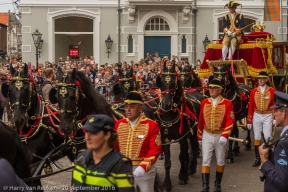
100,167
231,25
215,124
276,169
259,112
139,139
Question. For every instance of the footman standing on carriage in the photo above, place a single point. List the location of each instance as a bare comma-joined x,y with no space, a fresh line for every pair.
259,112
275,167
100,167
231,25
139,139
214,127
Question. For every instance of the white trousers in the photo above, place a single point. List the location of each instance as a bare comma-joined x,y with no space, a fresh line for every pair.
209,143
146,182
262,122
225,51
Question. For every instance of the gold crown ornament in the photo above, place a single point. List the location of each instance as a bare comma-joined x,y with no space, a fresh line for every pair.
258,27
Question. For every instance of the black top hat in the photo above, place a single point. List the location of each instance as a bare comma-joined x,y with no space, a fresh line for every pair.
134,97
232,4
263,74
215,83
99,122
281,100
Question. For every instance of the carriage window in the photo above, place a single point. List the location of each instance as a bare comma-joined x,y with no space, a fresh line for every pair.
157,24
130,44
184,44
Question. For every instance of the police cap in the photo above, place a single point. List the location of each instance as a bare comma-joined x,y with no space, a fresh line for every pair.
133,97
281,100
99,122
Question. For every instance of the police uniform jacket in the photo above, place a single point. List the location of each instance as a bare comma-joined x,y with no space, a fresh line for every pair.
232,24
142,144
112,173
260,102
9,180
216,120
276,170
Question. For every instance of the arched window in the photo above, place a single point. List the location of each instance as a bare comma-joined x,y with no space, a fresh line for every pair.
184,44
130,44
247,21
157,24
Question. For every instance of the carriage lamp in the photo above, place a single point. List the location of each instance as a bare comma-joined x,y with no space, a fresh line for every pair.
108,43
206,42
38,42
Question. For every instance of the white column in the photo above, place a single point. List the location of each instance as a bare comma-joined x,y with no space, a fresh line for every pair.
140,46
174,44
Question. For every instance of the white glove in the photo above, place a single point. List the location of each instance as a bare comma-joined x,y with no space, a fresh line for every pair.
200,143
249,126
222,140
139,172
233,34
228,32
274,122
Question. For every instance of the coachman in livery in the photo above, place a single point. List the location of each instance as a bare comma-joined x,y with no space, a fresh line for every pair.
259,112
232,25
139,139
214,127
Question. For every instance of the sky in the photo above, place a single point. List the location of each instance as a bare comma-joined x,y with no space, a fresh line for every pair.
5,7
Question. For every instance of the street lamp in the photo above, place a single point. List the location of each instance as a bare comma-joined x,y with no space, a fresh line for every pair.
109,43
38,44
206,42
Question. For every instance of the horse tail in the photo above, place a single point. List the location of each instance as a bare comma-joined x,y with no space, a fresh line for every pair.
20,165
157,184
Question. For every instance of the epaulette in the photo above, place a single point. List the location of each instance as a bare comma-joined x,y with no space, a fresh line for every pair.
285,137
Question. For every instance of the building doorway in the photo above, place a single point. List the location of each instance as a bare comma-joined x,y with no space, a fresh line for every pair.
160,44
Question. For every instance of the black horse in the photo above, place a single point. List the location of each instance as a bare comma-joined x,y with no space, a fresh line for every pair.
239,95
36,122
189,79
77,99
176,123
126,84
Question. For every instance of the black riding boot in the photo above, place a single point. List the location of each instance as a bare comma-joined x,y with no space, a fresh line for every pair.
217,184
205,182
257,160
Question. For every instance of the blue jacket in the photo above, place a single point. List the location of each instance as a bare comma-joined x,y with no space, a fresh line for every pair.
238,21
276,170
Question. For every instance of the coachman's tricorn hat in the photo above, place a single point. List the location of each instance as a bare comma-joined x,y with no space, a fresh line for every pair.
134,97
263,74
215,83
232,4
281,100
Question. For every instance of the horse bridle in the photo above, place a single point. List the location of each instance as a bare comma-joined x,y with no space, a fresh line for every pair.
126,82
170,91
19,85
63,91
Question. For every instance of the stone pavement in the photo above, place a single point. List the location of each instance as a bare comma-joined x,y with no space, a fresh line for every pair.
238,177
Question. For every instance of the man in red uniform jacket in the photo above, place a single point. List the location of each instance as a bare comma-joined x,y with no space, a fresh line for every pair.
259,112
214,127
139,139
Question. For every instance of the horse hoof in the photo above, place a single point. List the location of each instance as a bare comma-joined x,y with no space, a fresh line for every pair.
235,153
161,157
167,186
229,161
182,182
